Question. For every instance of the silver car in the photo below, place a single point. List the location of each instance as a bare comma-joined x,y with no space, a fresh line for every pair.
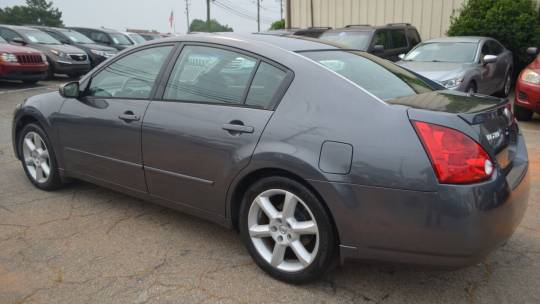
468,64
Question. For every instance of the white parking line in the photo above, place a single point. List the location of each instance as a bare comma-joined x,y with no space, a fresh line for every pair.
26,90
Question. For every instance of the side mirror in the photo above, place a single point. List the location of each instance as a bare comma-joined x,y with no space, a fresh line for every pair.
378,49
18,40
401,56
533,51
489,59
70,90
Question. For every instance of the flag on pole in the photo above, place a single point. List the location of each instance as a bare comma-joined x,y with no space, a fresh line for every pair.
171,21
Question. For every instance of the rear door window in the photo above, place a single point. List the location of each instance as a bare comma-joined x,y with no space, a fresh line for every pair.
399,40
9,34
414,38
210,75
265,86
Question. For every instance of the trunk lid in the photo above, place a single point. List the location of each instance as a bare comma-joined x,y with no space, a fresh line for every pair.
488,120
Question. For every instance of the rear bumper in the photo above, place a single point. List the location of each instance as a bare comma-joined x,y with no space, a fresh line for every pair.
528,95
455,226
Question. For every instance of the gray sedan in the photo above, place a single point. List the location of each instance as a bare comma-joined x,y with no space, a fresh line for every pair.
310,151
468,64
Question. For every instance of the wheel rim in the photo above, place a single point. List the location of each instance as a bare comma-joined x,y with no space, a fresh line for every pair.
36,157
283,230
472,90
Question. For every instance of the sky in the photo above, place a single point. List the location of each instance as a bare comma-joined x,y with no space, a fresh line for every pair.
154,14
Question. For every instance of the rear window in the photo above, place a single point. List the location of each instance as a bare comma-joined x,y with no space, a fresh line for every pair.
382,79
358,40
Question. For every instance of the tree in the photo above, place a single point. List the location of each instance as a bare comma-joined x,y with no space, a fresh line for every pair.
198,25
514,23
35,12
278,25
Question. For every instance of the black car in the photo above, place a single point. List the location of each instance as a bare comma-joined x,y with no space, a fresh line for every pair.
387,41
96,52
313,32
63,59
106,37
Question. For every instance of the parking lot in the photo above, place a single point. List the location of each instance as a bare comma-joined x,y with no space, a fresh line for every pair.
86,244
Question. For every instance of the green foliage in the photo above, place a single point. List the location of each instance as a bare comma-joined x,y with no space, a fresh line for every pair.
515,23
278,25
35,12
198,25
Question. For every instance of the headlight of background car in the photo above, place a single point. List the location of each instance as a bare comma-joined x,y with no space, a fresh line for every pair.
530,76
452,83
8,57
58,53
99,53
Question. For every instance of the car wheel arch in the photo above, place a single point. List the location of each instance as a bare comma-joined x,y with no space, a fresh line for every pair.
240,187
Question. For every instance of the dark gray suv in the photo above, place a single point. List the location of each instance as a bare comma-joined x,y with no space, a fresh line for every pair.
283,139
386,41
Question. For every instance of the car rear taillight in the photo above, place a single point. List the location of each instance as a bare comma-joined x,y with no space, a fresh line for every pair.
455,157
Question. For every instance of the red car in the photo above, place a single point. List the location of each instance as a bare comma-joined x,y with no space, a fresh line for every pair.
22,63
528,89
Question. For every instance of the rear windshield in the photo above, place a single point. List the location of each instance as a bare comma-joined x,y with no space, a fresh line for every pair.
459,52
379,77
358,40
120,39
136,37
40,37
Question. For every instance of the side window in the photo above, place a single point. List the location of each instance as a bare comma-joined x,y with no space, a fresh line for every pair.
399,40
130,77
265,85
494,47
485,50
99,37
414,38
58,37
207,74
9,34
382,38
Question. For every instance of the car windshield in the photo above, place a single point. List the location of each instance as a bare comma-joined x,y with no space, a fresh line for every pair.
77,37
120,39
136,37
443,52
40,37
2,40
358,40
382,79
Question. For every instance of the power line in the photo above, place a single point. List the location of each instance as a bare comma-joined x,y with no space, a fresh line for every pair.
239,12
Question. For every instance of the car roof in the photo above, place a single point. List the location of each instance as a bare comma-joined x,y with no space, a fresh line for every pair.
18,27
102,29
474,39
51,28
371,28
289,43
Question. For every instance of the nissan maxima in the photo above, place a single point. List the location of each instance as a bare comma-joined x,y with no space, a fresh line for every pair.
310,151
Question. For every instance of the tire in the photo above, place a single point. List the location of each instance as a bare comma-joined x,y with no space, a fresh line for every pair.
507,86
522,114
471,88
35,159
316,243
50,74
31,82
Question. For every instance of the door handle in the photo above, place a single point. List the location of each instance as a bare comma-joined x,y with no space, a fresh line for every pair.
128,116
236,127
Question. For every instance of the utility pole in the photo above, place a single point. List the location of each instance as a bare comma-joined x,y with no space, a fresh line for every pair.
187,14
208,13
258,15
280,9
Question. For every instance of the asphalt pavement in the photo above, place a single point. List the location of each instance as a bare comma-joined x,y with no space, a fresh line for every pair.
86,244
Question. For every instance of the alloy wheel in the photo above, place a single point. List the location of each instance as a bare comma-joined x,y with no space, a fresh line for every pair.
36,157
283,230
